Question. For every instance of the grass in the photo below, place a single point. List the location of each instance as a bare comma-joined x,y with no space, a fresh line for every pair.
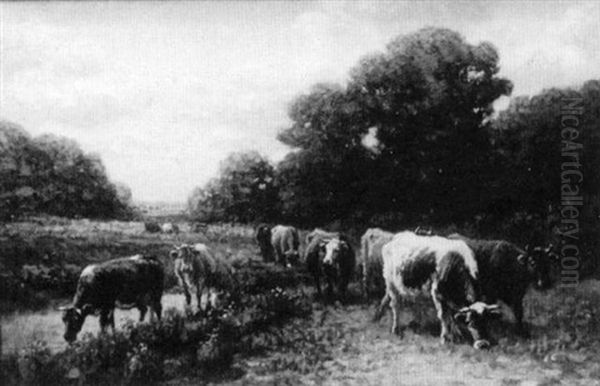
336,344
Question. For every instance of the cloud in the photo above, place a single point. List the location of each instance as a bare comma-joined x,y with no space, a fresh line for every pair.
164,91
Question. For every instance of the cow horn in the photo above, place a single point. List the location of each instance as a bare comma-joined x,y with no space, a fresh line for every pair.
464,310
62,308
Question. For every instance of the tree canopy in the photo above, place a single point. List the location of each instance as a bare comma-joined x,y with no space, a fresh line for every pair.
52,175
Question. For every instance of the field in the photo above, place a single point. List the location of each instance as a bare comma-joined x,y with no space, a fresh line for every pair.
302,341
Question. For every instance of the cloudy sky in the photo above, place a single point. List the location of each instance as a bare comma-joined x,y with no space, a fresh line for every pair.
164,91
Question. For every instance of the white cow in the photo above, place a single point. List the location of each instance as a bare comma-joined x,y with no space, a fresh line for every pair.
411,260
197,266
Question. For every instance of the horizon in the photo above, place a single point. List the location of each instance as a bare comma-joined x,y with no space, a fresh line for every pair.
165,91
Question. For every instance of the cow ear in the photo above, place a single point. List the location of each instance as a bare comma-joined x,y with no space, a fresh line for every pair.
522,258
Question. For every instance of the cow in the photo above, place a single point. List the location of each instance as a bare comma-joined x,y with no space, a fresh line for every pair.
169,227
371,262
286,243
507,271
152,227
410,261
318,232
135,281
197,266
330,255
263,239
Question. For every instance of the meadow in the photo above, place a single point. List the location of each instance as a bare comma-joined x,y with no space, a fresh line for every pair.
278,333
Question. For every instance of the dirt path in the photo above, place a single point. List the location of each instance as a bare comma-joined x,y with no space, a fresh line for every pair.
377,358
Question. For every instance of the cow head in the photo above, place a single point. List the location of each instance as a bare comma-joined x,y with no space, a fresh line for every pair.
333,249
73,319
475,317
292,257
537,261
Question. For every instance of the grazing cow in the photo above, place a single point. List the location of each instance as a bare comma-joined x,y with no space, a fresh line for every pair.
371,261
332,256
197,266
263,239
410,261
506,271
129,282
286,243
169,227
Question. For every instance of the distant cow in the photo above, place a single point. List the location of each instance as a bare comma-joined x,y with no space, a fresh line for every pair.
152,227
263,239
197,266
332,256
371,262
169,227
506,272
135,281
285,243
410,261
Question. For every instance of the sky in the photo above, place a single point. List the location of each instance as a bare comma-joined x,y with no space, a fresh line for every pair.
163,91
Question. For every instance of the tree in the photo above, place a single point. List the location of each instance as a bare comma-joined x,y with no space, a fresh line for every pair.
50,174
244,191
428,100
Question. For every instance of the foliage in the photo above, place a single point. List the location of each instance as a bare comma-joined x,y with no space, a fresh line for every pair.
52,175
425,101
139,352
244,191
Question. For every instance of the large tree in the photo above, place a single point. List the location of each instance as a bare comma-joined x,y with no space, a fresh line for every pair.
52,175
427,100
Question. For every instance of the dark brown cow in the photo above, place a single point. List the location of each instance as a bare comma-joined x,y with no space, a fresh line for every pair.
135,281
330,255
507,271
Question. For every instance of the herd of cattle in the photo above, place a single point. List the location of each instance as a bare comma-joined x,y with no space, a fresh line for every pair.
465,277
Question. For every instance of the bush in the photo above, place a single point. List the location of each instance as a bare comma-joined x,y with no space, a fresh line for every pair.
147,353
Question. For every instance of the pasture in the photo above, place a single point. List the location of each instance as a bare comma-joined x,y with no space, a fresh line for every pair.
314,342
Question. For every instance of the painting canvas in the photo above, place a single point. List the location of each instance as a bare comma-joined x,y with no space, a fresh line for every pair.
300,192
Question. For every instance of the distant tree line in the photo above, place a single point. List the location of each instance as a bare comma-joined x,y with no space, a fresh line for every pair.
52,175
413,138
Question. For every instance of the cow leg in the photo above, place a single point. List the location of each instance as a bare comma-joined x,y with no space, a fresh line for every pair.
318,286
522,330
143,309
364,281
395,301
199,292
385,301
342,286
186,290
106,319
330,286
442,314
157,306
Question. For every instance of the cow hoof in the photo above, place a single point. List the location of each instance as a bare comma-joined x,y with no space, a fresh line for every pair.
481,344
398,332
